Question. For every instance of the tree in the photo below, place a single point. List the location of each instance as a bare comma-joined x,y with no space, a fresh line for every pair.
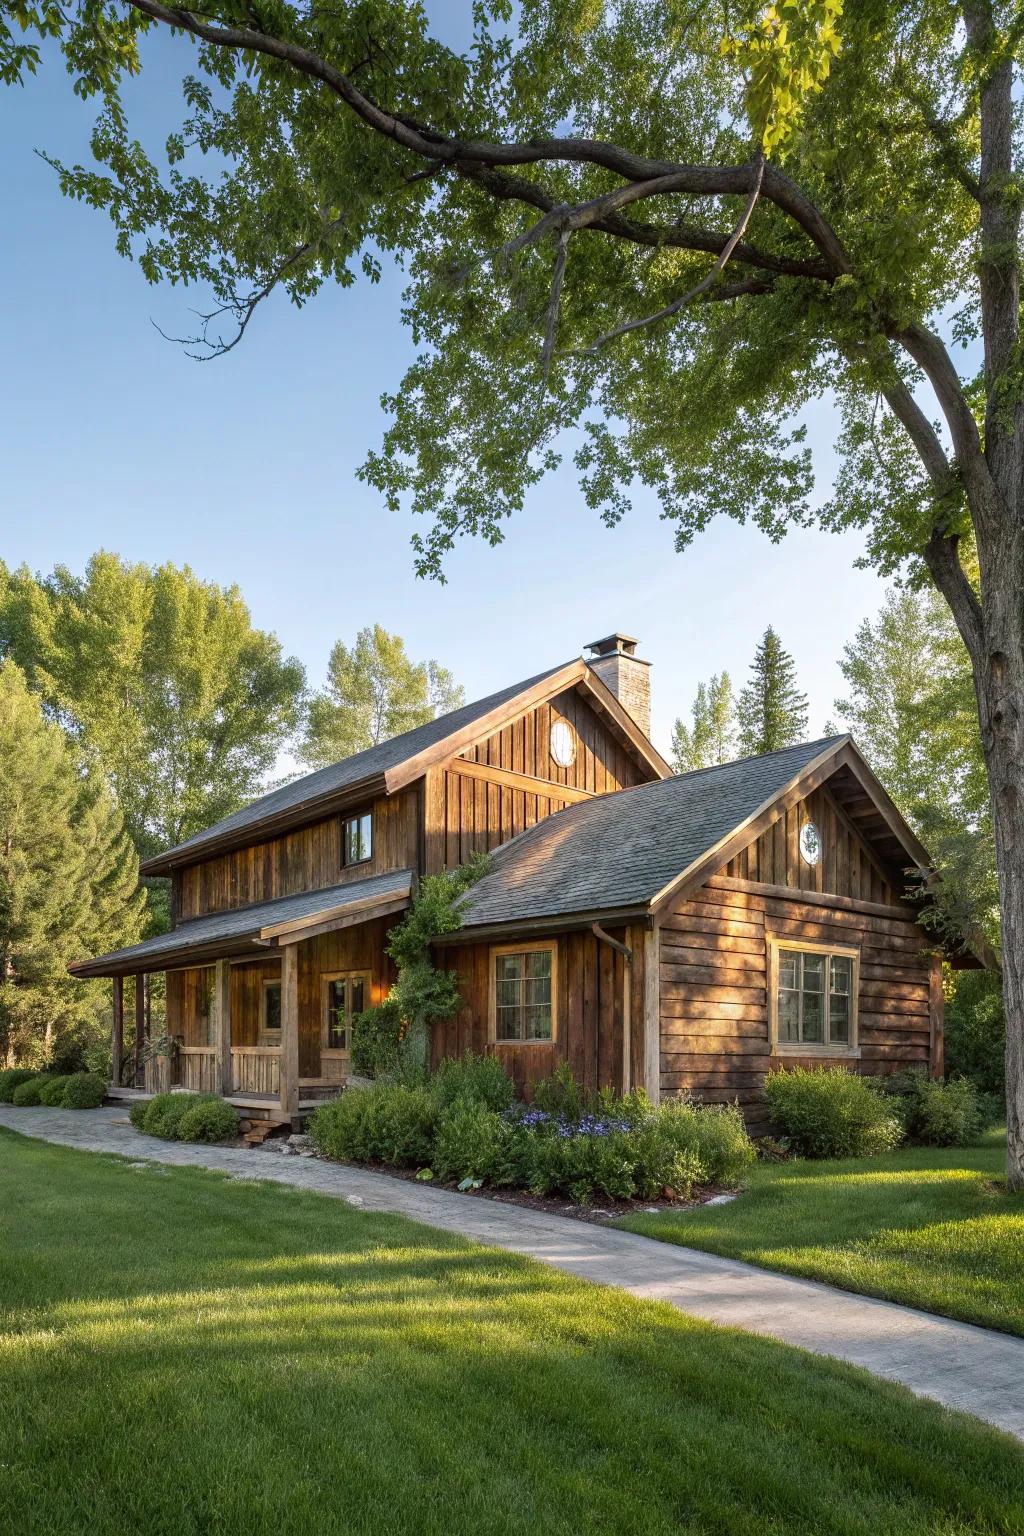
751,206
374,692
163,681
912,708
711,737
772,712
68,880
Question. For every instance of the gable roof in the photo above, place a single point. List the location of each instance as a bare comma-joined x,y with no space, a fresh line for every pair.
392,764
250,930
628,851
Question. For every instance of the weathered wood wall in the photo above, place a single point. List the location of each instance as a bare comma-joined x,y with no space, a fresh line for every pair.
847,866
591,1007
602,764
714,1000
307,859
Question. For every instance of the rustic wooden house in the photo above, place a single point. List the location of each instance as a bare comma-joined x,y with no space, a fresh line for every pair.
682,934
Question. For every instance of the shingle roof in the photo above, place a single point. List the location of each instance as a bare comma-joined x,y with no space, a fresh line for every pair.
244,924
352,771
621,850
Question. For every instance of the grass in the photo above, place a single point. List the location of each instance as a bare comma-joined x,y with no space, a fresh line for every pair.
933,1228
180,1354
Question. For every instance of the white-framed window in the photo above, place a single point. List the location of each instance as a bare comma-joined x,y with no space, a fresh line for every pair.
813,997
345,994
523,993
270,1014
357,839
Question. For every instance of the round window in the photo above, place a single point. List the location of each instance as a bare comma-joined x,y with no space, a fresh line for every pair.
563,744
810,843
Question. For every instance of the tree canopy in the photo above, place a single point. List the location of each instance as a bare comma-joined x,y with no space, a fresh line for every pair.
374,691
68,878
710,737
171,692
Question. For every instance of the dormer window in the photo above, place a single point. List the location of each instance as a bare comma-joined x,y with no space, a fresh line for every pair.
357,839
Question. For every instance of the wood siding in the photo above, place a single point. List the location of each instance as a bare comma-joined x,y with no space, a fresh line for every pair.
847,866
307,859
602,764
714,998
591,1008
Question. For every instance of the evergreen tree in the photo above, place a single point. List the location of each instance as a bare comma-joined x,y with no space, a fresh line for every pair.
711,736
772,711
374,691
68,880
161,678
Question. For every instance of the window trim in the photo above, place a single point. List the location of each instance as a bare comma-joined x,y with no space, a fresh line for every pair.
346,821
524,947
334,1052
270,1038
849,1050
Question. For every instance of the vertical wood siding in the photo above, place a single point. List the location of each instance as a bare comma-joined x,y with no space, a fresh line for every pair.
847,866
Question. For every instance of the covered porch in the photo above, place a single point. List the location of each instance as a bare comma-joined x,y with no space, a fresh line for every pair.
260,1001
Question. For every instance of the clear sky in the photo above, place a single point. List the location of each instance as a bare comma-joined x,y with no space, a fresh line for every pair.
244,468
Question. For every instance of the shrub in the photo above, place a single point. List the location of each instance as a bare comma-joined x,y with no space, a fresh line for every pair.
935,1114
468,1143
137,1113
11,1078
52,1091
83,1090
376,1040
165,1111
388,1123
214,1121
975,1031
560,1094
28,1092
829,1112
473,1079
714,1133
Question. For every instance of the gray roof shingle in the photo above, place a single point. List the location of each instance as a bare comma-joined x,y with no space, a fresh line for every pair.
246,922
352,771
620,850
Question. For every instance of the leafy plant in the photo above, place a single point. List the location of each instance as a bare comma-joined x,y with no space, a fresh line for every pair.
976,1031
476,1079
165,1111
52,1091
935,1114
83,1090
11,1078
214,1120
829,1112
29,1091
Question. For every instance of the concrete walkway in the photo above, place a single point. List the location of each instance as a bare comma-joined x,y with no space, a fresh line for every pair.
958,1365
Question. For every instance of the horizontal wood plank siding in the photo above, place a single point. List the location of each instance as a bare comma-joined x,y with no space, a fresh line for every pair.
714,999
307,859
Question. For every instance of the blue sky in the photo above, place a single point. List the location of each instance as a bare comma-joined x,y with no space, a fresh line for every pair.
244,468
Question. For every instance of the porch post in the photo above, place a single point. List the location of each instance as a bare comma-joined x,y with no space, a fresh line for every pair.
289,1058
652,1015
140,1025
223,1077
117,1033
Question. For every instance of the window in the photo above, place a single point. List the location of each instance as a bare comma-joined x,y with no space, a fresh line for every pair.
357,839
270,1022
810,843
814,997
345,994
522,994
563,744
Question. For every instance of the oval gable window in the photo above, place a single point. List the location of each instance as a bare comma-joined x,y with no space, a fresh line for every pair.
563,744
810,843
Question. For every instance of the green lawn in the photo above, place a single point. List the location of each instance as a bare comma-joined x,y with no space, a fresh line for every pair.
932,1228
180,1354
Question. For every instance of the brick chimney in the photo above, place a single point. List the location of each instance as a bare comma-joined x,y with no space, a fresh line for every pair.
616,663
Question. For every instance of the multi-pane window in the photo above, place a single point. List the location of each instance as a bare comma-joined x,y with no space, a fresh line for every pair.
357,838
270,1023
523,992
815,999
345,996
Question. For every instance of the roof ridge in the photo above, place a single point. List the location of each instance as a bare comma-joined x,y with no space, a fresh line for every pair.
760,757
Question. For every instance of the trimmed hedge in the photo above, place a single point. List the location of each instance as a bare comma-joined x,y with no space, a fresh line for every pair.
186,1117
52,1091
829,1112
213,1121
162,1115
83,1090
11,1078
29,1091
464,1126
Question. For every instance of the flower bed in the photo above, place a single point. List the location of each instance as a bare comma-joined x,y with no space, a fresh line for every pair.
463,1127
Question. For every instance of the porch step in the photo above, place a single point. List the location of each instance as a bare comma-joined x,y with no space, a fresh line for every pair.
257,1130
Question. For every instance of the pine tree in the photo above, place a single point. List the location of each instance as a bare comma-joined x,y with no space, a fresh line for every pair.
772,711
68,879
711,738
374,691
